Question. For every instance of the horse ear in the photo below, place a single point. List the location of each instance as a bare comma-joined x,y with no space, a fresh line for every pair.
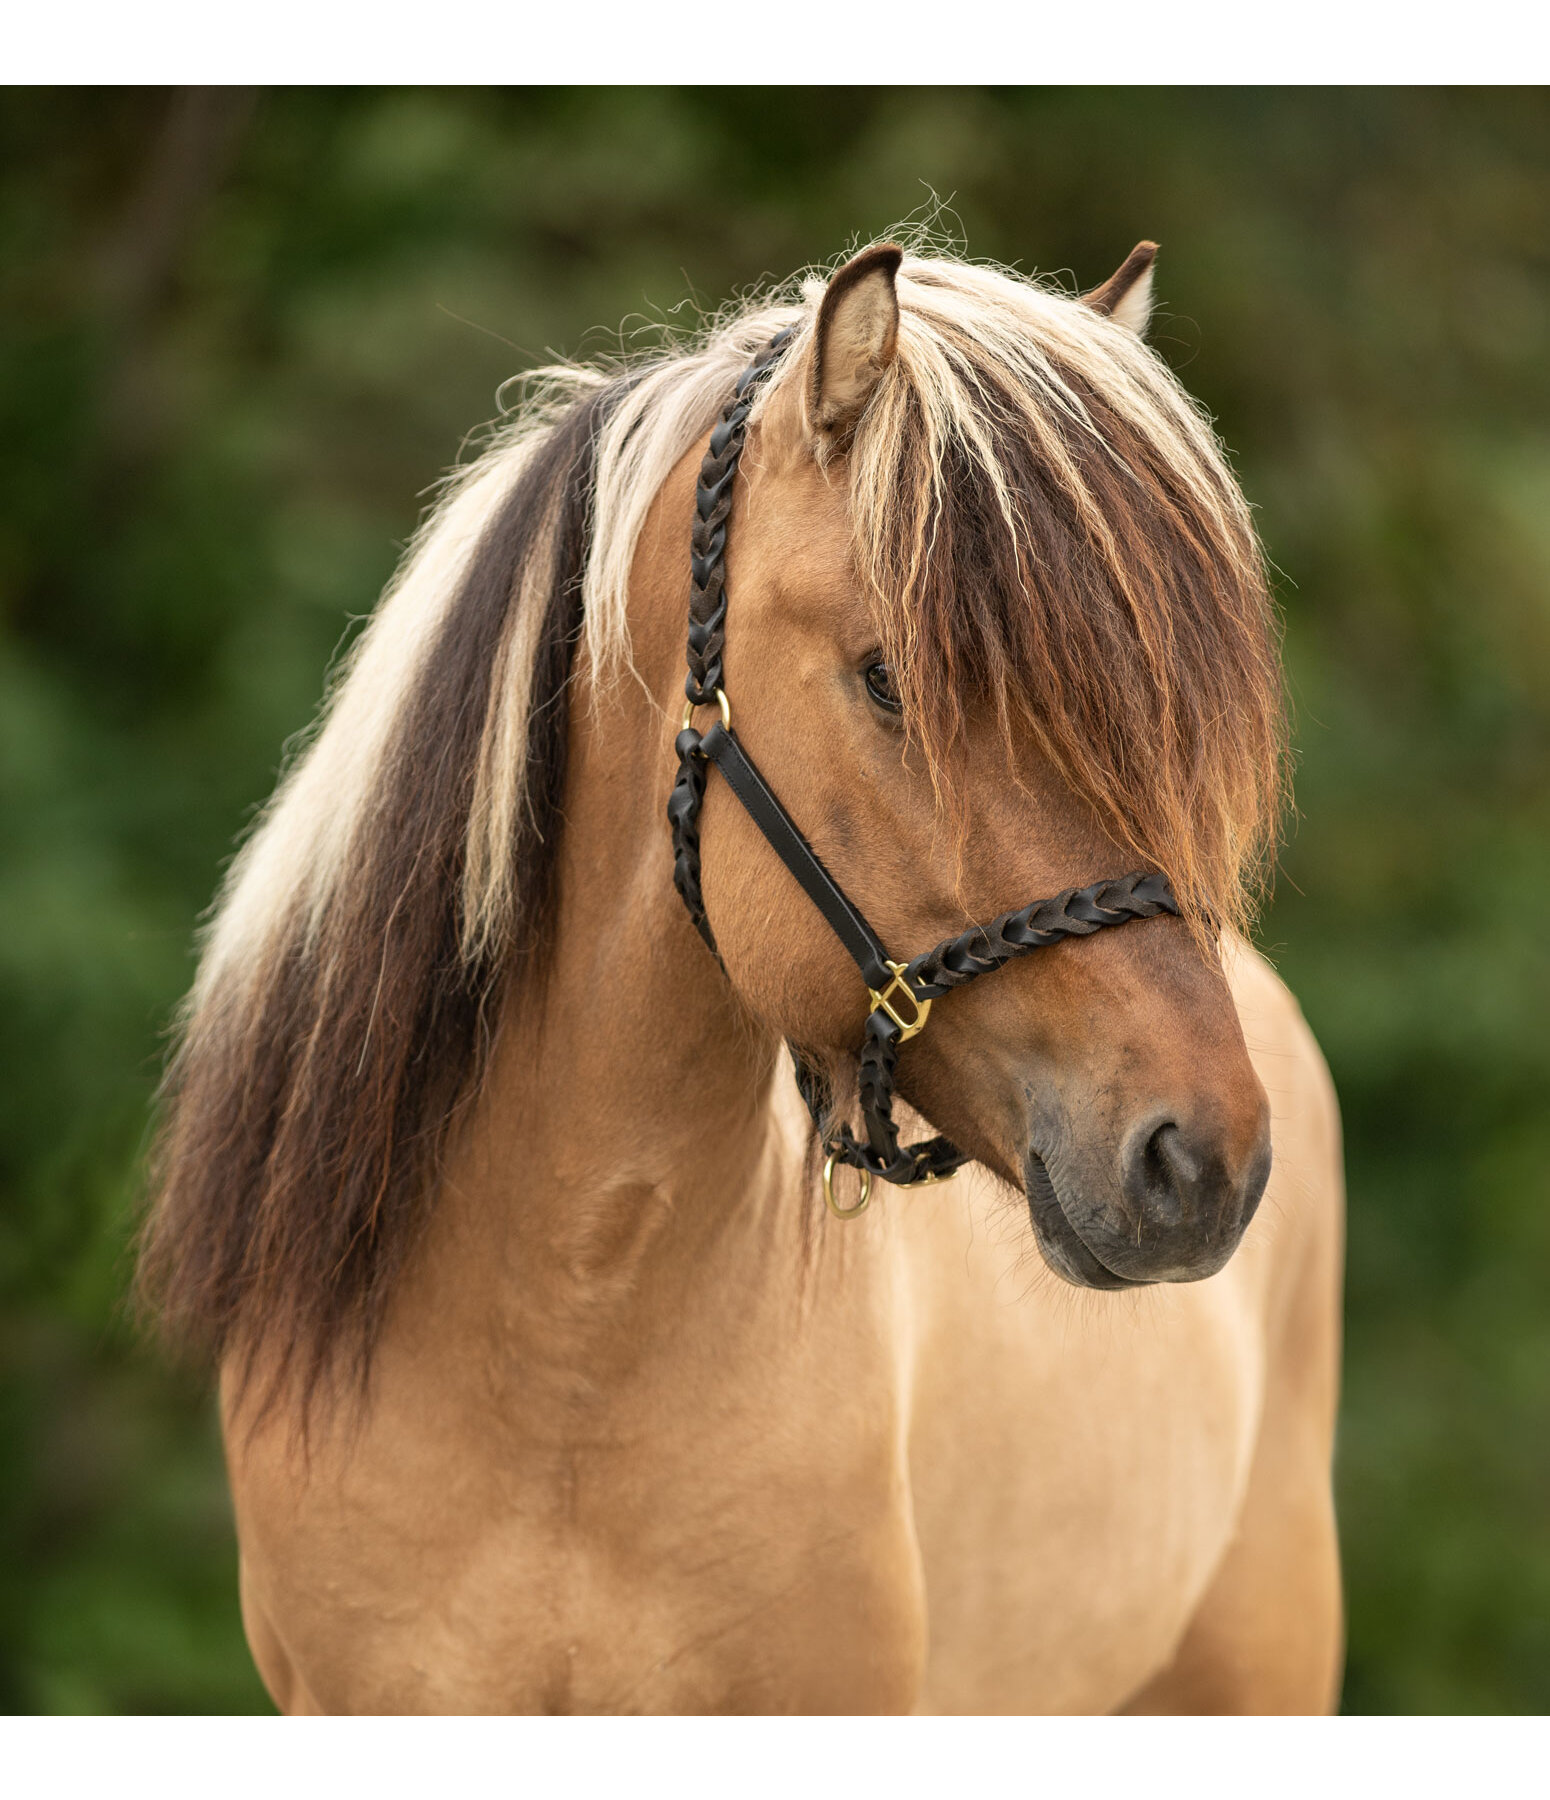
1126,297
853,343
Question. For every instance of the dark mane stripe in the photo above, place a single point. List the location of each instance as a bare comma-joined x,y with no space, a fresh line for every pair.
305,1109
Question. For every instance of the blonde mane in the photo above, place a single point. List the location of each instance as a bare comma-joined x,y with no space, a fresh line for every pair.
1045,523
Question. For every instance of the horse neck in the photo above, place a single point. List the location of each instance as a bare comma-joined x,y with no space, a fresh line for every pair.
630,1146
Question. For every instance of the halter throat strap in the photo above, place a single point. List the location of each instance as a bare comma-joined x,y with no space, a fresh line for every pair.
901,994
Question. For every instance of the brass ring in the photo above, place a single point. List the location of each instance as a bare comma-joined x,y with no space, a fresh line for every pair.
845,1212
721,701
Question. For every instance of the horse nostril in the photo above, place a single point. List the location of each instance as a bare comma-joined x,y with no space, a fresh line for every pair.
1164,1175
1179,1180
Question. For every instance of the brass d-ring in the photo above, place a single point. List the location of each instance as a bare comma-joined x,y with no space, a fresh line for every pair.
845,1212
721,701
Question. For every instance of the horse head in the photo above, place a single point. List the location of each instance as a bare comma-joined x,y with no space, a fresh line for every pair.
998,628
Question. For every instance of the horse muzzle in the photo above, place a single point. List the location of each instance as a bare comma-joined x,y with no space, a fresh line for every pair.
1171,1205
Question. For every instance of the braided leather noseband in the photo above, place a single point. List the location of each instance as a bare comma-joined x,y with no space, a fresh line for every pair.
901,993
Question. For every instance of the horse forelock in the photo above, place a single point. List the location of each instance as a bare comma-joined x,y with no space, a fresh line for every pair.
1047,528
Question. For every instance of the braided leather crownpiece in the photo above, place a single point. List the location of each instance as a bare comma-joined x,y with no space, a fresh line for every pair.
1078,912
708,537
683,815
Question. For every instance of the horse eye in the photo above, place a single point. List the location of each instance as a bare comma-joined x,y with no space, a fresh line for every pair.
881,686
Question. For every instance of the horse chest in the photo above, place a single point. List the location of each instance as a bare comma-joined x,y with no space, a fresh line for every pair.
819,1623
722,1565
1109,1455
724,1584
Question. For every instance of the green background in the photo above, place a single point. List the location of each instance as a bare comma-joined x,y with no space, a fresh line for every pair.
240,336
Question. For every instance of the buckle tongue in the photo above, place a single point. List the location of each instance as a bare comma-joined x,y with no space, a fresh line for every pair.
881,1002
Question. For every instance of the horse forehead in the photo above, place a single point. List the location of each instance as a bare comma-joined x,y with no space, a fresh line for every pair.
784,494
793,533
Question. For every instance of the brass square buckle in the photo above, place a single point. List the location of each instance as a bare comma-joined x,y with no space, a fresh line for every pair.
907,1027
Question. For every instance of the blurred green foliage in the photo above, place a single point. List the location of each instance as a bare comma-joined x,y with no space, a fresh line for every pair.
238,339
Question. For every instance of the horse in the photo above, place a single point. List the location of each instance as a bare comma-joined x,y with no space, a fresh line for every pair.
548,1381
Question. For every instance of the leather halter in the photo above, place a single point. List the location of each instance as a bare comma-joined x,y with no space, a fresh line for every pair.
901,993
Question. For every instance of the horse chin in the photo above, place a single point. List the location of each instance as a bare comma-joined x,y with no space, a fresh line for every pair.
1060,1244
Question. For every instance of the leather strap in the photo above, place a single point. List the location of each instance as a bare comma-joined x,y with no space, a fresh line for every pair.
1078,912
708,536
683,815
845,919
